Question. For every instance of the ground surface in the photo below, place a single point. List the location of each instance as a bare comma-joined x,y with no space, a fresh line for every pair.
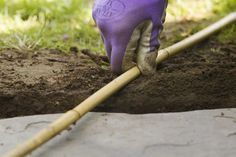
49,81
199,133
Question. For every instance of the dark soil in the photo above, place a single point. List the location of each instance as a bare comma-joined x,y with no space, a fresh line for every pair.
50,81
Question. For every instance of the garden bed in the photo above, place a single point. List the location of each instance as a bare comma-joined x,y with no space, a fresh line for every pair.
51,81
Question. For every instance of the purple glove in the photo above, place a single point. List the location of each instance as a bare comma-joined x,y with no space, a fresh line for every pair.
130,31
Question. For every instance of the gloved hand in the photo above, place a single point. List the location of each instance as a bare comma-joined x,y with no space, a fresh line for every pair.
130,31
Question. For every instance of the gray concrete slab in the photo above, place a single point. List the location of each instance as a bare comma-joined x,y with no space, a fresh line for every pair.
209,133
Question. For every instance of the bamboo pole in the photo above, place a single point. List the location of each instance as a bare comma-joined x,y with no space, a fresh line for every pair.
75,114
164,54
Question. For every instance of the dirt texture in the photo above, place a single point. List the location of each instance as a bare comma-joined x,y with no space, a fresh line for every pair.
50,81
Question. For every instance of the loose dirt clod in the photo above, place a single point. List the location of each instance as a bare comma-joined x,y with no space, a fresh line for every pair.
49,81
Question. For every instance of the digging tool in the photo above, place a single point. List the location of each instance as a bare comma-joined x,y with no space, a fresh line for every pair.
78,112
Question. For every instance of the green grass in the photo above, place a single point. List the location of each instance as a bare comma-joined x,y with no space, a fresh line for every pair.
48,24
29,25
228,34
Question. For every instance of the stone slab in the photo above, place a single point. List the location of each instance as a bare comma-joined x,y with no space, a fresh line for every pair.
210,133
